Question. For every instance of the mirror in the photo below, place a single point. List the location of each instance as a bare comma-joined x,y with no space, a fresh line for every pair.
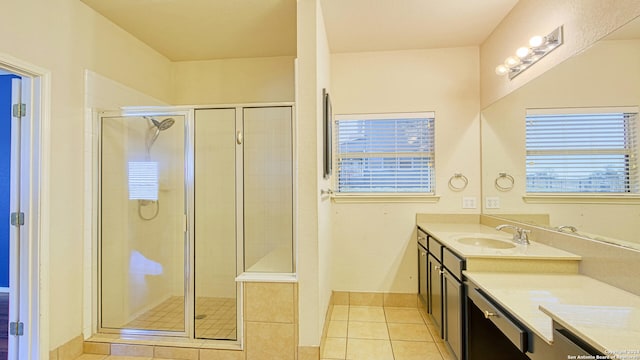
606,75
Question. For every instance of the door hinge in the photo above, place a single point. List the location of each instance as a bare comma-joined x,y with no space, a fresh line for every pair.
17,218
19,110
16,328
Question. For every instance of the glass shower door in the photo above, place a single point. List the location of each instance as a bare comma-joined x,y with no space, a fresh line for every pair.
215,224
142,224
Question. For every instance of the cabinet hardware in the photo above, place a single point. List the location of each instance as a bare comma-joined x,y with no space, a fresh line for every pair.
423,253
488,314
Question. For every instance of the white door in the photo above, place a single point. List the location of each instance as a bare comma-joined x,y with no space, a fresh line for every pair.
28,195
17,220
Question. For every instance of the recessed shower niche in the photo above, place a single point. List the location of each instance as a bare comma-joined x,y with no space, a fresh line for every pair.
188,200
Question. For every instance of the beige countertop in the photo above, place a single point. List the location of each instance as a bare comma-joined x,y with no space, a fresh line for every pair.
606,317
448,233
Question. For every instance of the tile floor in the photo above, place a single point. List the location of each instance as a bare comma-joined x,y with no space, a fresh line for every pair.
369,333
215,317
381,333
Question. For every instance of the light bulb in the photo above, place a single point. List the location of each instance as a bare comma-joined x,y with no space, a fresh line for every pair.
511,61
536,41
501,70
523,52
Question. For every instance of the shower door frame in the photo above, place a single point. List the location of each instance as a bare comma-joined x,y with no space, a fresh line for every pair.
188,335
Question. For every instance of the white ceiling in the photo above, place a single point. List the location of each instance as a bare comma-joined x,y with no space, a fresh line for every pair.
214,29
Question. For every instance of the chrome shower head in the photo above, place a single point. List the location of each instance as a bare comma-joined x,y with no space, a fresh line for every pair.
164,124
155,129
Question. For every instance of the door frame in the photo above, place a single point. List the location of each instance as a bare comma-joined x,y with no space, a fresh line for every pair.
35,192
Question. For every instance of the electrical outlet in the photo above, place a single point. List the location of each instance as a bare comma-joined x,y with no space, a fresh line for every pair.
492,202
469,202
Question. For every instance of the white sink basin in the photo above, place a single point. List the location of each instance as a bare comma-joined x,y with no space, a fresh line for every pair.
485,242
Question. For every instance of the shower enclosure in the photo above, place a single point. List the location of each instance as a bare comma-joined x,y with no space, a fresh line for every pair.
190,198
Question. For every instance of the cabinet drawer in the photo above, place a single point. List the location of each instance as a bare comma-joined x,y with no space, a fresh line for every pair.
566,343
452,262
435,248
422,238
516,333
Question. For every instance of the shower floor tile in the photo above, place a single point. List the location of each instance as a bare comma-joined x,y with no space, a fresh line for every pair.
215,318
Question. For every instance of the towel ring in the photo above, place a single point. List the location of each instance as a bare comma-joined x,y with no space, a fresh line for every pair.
460,186
507,184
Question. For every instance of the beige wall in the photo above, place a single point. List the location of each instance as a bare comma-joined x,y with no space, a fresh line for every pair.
606,75
585,21
232,81
373,246
66,37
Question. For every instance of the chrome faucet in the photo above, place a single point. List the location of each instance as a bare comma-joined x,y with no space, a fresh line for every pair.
568,227
520,235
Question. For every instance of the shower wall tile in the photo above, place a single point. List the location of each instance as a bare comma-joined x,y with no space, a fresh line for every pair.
215,354
131,350
97,348
175,353
270,341
270,302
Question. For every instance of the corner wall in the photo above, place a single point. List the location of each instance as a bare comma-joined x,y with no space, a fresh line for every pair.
325,205
313,223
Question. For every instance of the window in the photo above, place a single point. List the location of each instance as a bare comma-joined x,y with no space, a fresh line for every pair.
385,153
593,151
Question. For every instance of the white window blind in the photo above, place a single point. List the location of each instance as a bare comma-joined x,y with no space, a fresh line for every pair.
593,152
385,153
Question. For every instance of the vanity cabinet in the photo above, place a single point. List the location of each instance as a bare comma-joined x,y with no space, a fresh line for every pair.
453,301
423,282
492,329
442,270
434,275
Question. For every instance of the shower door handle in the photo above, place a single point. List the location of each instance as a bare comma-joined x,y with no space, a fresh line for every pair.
239,137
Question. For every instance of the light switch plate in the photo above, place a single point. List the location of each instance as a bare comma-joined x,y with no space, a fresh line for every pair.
492,202
469,202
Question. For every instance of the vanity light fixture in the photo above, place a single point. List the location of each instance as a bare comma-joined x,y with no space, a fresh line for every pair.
539,46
